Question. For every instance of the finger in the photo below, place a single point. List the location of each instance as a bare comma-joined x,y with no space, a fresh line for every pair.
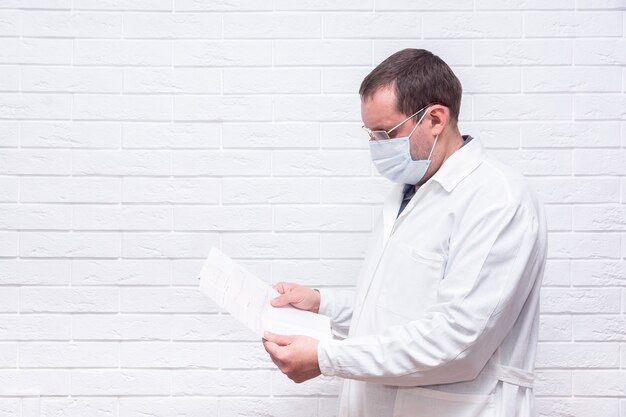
280,287
280,301
278,339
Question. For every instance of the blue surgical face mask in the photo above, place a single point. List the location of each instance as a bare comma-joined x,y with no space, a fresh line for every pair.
392,158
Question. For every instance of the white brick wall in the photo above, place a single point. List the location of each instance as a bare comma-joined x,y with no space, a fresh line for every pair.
135,134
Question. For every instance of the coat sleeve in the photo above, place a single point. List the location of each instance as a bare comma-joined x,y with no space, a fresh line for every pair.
493,264
338,305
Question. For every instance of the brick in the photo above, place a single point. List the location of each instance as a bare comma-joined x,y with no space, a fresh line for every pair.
9,23
233,5
316,109
34,327
30,217
600,107
599,161
71,25
537,162
69,245
35,106
120,382
36,51
473,25
172,80
35,162
244,356
220,383
572,79
257,407
34,382
343,135
121,272
553,328
572,24
342,80
127,163
34,271
222,108
385,25
199,218
62,134
9,134
595,218
122,107
495,135
167,245
270,190
207,163
169,355
171,135
121,327
165,300
567,135
166,190
605,328
560,300
66,300
271,80
272,26
132,5
553,383
557,273
172,26
599,273
222,328
344,245
577,355
329,218
604,383
69,190
167,406
107,217
78,406
9,244
561,190
317,272
122,52
229,53
324,164
272,246
453,52
354,190
9,189
600,52
584,245
37,4
489,80
274,135
9,78
523,52
559,218
524,107
69,355
577,407
422,5
322,52
523,5
9,299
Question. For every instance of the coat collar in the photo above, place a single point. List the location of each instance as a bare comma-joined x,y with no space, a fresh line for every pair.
459,165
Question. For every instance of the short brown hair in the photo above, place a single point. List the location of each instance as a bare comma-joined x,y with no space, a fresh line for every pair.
419,78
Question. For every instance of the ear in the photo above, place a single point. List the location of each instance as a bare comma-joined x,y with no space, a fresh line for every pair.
438,117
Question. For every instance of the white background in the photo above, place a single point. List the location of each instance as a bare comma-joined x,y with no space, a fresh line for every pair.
136,134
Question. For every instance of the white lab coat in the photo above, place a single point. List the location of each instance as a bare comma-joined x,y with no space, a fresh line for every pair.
444,320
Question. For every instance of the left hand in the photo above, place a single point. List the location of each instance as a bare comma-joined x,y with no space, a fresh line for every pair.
295,356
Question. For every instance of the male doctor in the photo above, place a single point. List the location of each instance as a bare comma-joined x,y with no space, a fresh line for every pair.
444,319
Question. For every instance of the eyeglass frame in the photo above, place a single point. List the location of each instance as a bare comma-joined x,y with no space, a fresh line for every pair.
371,132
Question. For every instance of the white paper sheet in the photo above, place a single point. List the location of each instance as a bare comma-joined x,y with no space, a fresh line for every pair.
247,298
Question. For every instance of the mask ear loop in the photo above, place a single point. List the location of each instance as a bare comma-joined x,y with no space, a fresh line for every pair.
433,148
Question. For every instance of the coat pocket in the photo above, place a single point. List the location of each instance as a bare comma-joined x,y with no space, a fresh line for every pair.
411,281
422,402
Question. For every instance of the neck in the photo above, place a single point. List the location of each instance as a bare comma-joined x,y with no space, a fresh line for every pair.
450,142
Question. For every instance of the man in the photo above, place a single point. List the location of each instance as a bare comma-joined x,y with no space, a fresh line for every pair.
444,321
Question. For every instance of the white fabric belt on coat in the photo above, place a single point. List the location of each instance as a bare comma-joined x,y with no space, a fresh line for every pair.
515,376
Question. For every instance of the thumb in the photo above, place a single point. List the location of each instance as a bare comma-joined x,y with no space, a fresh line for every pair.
279,339
280,301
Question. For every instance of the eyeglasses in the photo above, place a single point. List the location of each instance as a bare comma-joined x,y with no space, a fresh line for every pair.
384,134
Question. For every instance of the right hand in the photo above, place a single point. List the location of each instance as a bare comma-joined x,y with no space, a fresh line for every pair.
297,295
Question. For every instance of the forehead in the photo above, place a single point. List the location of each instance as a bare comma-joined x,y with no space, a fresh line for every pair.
379,110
